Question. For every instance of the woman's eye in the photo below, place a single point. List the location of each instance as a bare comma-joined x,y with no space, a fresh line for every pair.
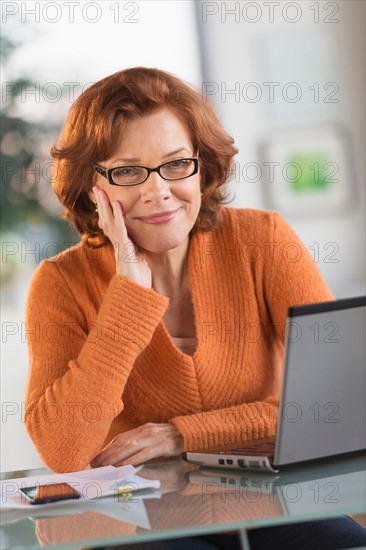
125,172
178,163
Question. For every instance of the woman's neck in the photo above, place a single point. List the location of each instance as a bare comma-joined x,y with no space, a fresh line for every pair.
169,269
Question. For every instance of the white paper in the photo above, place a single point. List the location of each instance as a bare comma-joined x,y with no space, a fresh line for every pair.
134,483
91,484
132,510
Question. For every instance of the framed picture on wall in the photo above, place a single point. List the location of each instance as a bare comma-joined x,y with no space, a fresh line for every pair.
308,170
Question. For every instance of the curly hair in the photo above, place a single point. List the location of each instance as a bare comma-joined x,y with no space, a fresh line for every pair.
95,122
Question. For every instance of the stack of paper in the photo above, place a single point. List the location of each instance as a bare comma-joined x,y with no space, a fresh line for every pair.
91,484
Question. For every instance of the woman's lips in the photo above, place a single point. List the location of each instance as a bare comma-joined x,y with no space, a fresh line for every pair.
161,218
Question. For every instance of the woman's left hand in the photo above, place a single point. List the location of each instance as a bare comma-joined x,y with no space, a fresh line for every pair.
140,445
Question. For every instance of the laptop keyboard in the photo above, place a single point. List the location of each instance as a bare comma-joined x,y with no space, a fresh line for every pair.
259,449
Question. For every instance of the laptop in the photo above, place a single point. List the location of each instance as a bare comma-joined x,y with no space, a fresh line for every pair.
322,412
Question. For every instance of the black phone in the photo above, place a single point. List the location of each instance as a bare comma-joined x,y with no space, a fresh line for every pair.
51,492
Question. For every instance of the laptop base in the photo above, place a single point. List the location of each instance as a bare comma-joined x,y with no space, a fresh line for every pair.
231,461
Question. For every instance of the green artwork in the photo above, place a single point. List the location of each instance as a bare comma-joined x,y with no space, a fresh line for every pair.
308,172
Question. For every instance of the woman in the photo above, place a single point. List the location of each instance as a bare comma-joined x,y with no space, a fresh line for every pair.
163,330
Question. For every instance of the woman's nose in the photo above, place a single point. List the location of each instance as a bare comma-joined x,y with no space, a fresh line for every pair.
155,188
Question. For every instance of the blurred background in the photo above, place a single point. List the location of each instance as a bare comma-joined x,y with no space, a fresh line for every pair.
287,80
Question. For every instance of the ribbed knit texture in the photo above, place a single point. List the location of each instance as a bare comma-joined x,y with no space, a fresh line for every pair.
102,361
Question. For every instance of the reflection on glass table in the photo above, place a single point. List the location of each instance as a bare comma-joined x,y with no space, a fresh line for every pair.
191,501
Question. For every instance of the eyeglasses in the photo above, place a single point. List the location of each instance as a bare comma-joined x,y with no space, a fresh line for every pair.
178,169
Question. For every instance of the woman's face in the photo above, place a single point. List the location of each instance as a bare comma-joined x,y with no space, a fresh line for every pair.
150,141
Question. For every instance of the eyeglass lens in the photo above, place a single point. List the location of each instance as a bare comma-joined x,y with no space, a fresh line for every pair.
174,170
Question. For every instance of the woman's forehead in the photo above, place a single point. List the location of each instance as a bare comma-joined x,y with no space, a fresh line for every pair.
152,137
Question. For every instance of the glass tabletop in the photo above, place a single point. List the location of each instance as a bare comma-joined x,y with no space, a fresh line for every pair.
191,501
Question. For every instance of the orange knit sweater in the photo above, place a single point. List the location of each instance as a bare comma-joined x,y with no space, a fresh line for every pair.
102,361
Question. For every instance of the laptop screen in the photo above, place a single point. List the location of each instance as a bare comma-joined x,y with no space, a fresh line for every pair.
323,405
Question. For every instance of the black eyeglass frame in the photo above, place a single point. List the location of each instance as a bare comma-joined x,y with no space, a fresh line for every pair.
108,173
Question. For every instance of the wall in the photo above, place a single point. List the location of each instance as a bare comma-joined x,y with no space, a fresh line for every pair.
303,43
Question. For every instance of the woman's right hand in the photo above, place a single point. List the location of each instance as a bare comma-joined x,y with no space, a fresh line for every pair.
130,260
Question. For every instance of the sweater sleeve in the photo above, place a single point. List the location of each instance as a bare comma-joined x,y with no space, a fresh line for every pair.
77,372
290,277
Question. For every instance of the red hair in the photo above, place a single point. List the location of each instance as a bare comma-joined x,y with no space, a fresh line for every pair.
95,122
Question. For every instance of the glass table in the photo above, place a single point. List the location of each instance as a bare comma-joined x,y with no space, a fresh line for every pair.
191,501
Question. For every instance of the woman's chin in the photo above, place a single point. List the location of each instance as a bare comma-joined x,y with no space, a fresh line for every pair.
160,245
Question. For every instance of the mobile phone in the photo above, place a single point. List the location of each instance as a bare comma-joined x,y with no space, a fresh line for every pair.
51,492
